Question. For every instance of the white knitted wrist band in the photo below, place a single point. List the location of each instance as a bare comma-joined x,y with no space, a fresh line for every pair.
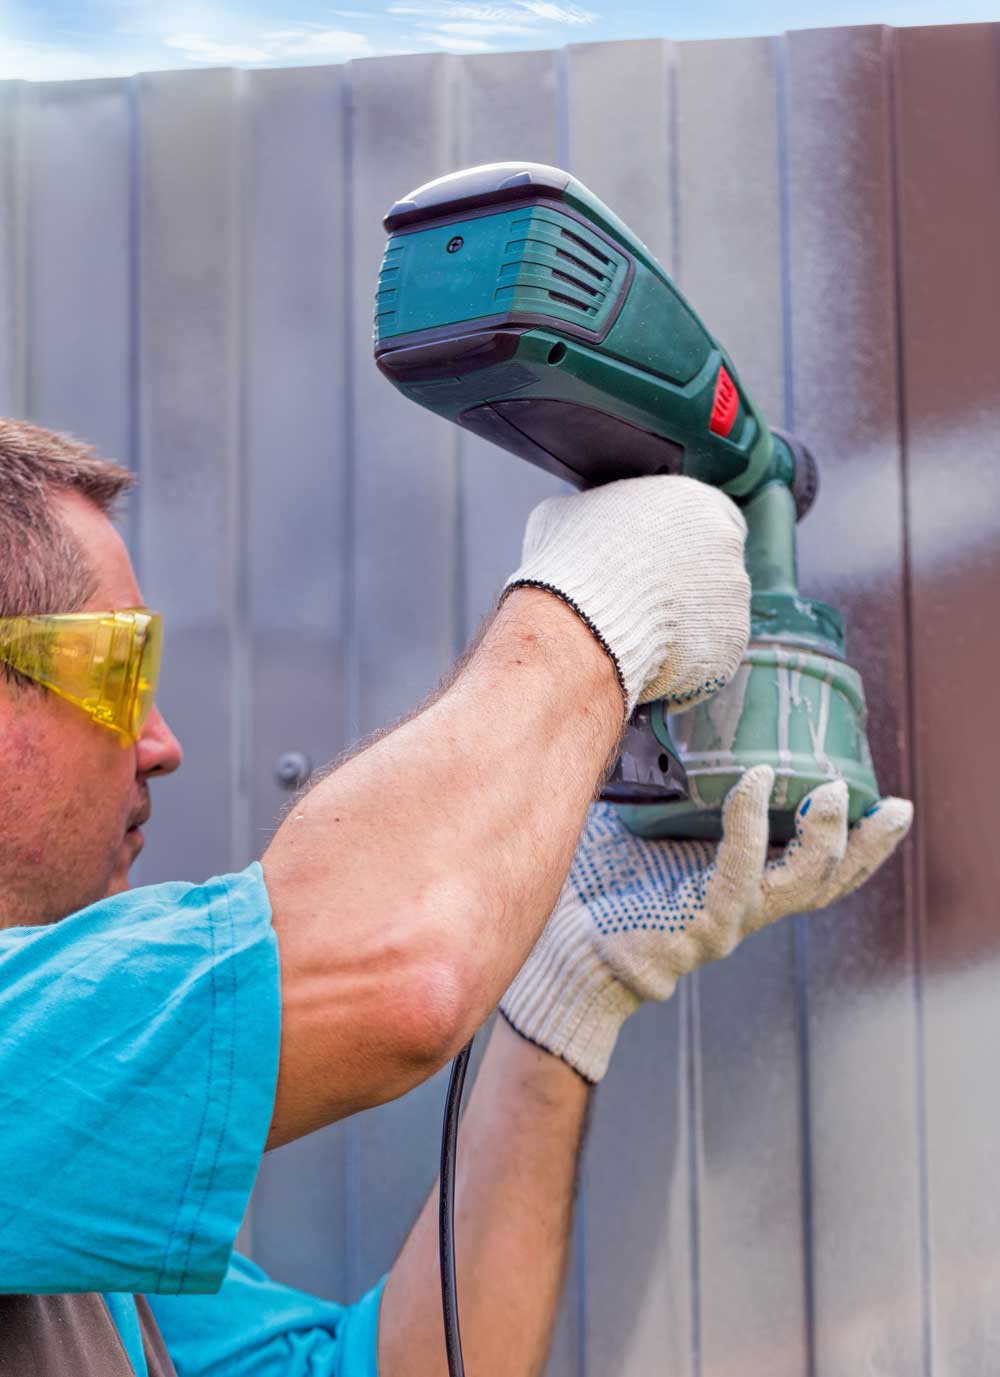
567,1000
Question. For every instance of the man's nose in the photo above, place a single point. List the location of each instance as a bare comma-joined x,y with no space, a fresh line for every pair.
158,752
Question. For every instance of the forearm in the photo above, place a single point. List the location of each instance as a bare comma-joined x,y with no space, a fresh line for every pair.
517,1166
408,886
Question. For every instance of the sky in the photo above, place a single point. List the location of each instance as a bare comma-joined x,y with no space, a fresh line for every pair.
58,40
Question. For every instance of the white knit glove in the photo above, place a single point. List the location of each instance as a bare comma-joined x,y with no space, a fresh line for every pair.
654,566
636,915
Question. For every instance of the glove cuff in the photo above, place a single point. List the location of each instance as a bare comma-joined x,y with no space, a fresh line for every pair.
566,999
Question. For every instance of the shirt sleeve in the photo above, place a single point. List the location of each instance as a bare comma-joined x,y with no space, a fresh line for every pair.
138,1060
255,1327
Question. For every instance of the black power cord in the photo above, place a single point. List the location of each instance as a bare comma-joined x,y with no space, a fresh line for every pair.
446,1213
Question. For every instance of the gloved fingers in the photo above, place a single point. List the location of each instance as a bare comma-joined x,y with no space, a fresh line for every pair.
871,842
739,861
621,879
689,674
801,877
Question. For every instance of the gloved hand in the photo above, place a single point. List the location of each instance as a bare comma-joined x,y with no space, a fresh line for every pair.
654,566
636,915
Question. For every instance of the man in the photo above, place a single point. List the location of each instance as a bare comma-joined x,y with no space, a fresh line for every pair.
156,1040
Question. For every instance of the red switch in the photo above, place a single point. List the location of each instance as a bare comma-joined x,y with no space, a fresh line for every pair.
725,404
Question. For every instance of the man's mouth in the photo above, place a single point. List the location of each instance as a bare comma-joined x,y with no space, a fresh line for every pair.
134,829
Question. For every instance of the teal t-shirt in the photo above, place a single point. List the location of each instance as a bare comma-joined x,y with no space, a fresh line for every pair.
138,1059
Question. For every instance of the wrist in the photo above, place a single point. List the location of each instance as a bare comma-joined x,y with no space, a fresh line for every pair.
543,1075
581,618
537,631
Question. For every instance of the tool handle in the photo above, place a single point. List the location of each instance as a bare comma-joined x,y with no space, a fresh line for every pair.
648,768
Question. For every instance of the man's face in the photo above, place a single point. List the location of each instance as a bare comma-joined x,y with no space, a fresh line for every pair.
72,792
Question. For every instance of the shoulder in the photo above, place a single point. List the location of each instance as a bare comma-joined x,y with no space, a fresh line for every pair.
147,913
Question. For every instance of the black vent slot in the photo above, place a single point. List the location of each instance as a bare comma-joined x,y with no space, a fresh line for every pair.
587,248
575,281
570,301
579,263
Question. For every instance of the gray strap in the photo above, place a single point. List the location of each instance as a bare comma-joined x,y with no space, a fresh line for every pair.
72,1336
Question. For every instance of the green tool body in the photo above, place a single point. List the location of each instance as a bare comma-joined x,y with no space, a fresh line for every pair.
513,302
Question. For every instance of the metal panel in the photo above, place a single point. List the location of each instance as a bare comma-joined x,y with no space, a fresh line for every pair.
404,562
493,122
186,272
12,214
297,487
753,1307
78,325
949,177
639,1305
191,549
857,959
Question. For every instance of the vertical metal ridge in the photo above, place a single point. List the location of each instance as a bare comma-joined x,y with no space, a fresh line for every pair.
800,946
352,667
12,237
22,264
564,142
8,214
351,649
455,70
580,1234
689,1015
914,865
779,46
240,661
579,1244
674,145
241,763
133,89
800,934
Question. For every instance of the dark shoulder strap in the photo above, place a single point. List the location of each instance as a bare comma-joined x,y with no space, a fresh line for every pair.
157,1357
72,1336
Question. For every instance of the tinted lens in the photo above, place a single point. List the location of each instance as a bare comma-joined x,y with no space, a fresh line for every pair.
149,674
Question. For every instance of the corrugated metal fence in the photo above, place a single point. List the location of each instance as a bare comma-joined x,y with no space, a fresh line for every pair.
793,1165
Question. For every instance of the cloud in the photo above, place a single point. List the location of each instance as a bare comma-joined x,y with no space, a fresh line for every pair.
50,62
145,35
304,41
520,16
453,43
472,28
196,48
556,14
466,26
334,44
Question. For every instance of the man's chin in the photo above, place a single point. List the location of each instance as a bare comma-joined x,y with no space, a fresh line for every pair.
129,854
118,884
120,881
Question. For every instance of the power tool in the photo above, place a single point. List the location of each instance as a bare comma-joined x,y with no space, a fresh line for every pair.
512,301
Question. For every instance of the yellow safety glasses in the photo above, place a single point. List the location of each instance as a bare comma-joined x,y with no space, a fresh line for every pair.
105,662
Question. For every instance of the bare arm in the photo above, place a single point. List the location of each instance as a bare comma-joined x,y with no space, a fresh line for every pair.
517,1167
408,886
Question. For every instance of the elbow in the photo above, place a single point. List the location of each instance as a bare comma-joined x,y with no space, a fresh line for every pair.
446,991
438,1012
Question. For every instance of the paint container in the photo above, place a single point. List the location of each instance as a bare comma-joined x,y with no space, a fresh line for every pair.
792,706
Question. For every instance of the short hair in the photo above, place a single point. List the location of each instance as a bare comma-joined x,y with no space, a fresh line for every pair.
42,567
